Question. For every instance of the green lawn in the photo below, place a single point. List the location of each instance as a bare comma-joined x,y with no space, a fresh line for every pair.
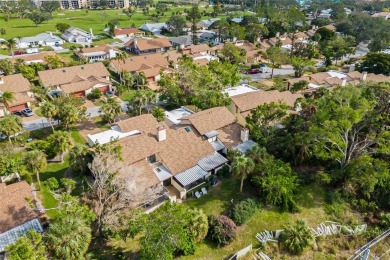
125,96
77,137
84,19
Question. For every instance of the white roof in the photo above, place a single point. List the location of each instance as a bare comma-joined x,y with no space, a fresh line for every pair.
337,74
175,115
238,90
47,37
312,85
108,136
153,27
162,172
236,20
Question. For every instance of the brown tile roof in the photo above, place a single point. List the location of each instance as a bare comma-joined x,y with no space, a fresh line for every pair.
101,48
146,178
252,54
202,62
122,31
14,209
251,100
149,44
198,48
173,56
330,27
179,151
319,78
34,57
82,84
152,72
137,63
333,81
377,77
183,149
19,85
354,75
211,119
65,75
230,135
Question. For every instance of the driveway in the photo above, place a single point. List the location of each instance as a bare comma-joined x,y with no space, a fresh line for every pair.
37,123
281,72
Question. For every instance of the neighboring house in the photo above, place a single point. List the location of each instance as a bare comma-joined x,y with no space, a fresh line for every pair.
128,32
242,104
77,35
78,80
154,28
150,65
98,53
144,46
17,213
202,49
181,41
86,4
207,23
20,86
209,37
33,58
384,15
42,39
177,157
333,78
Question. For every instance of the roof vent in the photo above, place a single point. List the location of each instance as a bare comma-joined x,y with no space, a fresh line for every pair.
145,57
82,68
63,70
187,129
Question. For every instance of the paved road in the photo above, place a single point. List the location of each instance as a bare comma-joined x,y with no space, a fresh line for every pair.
281,72
36,124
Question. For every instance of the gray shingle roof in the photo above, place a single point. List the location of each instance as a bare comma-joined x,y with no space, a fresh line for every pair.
212,161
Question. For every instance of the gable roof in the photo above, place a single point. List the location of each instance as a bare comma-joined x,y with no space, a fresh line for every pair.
181,40
46,37
101,48
14,209
126,31
153,27
34,58
137,63
66,75
82,84
15,83
211,119
198,48
149,44
251,100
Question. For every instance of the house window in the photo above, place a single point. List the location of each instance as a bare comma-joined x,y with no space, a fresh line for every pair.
152,159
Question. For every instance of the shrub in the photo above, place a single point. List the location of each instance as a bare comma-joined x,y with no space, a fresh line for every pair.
95,94
224,172
297,238
222,229
243,210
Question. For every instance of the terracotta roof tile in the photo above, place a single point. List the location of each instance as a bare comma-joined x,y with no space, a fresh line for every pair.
19,85
149,44
251,100
14,209
123,31
65,75
230,135
36,57
198,48
137,63
83,84
101,48
211,119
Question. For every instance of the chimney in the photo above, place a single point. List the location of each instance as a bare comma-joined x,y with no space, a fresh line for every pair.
244,134
363,77
313,27
344,82
161,133
277,34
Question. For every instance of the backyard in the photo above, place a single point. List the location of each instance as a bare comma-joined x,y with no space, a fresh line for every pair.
313,210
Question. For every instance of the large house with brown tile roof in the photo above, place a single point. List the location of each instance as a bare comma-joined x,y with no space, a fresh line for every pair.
17,213
180,156
242,104
127,32
151,65
23,95
98,53
145,46
78,80
34,58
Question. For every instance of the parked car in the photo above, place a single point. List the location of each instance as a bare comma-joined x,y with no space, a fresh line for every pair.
17,113
253,71
28,112
18,52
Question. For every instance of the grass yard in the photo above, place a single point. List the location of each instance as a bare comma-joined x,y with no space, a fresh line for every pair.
125,96
313,211
84,19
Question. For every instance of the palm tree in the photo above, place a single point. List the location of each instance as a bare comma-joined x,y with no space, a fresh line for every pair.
296,238
140,79
68,238
158,113
150,98
49,111
36,162
11,125
60,142
6,98
110,109
241,167
120,57
79,157
138,101
11,44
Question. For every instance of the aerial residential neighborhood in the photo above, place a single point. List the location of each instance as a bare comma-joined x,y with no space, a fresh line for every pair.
194,129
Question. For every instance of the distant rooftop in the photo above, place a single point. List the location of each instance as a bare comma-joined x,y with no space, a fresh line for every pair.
241,89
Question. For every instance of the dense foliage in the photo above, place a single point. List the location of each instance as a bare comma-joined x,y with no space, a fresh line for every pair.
243,210
222,229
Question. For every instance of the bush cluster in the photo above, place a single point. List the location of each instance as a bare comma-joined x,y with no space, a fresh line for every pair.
222,229
243,210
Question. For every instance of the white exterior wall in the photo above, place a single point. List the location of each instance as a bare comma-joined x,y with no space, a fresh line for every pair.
182,191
